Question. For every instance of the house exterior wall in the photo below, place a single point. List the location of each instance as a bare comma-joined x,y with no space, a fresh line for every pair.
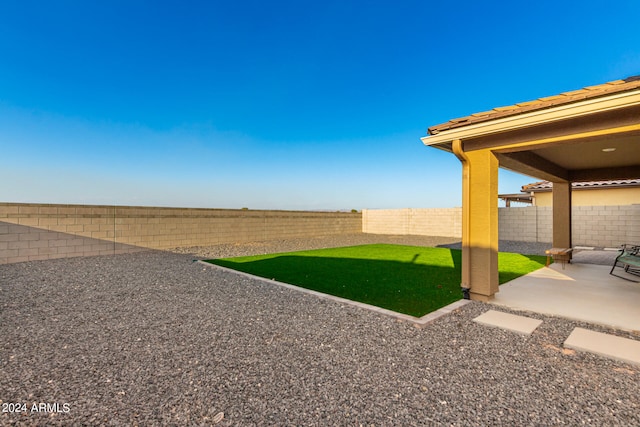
594,197
43,231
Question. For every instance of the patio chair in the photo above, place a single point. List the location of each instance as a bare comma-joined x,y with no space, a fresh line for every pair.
629,260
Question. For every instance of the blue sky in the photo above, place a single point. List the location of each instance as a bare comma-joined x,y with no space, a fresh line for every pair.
279,104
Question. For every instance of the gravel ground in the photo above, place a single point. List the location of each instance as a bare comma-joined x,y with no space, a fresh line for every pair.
290,245
153,338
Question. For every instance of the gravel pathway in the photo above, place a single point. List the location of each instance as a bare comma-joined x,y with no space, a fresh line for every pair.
153,338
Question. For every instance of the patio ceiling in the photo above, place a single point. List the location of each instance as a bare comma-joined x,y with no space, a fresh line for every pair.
578,160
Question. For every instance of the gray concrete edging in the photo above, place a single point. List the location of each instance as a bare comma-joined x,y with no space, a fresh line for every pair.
419,322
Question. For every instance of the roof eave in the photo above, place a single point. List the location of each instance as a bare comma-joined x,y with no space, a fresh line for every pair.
444,139
589,187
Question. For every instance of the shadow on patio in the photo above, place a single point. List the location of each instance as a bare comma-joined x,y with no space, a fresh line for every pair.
584,290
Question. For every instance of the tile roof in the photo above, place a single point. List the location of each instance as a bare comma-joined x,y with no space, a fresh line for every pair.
546,185
517,197
588,92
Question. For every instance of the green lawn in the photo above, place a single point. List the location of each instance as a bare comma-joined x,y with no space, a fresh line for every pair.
407,279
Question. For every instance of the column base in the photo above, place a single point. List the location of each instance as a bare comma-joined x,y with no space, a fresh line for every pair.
480,297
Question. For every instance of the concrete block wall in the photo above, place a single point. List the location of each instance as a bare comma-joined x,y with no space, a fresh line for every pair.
526,224
544,223
385,221
446,222
519,224
43,231
605,226
598,226
26,243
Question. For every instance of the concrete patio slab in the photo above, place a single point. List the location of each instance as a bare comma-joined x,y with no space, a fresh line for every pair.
520,324
606,345
585,292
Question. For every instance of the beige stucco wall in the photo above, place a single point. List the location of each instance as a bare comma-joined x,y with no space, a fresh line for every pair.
599,197
42,231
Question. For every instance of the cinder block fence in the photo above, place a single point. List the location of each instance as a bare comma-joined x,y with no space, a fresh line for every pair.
42,231
446,222
594,226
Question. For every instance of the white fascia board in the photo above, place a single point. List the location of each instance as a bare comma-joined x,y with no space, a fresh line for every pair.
547,115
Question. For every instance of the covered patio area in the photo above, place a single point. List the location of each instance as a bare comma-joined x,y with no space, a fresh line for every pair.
584,135
581,291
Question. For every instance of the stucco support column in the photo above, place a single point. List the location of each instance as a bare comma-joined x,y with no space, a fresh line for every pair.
479,222
562,216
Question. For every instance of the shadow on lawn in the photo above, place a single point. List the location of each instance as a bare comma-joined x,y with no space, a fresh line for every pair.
415,288
513,268
425,282
508,269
